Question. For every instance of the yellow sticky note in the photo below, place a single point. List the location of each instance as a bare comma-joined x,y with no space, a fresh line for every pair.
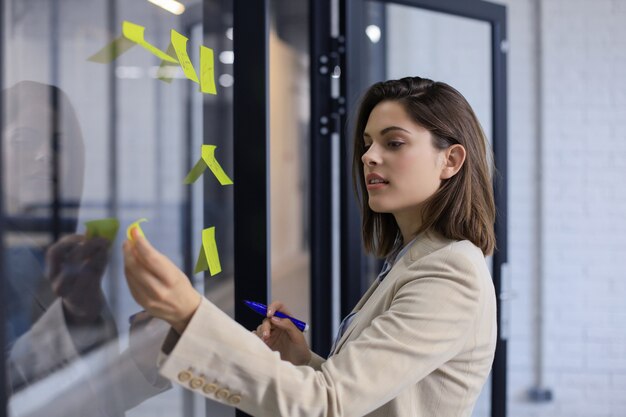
113,50
133,225
208,156
207,70
106,228
208,160
135,33
180,46
208,257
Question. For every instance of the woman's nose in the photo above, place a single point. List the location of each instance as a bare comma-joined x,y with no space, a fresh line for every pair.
43,154
370,157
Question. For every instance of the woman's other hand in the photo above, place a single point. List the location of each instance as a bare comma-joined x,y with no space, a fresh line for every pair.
282,336
75,266
157,284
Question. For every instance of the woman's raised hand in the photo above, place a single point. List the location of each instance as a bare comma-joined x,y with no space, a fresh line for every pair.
157,284
283,336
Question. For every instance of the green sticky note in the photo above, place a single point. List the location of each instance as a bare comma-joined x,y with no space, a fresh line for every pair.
208,156
180,46
113,50
137,225
135,33
208,257
195,172
207,70
105,228
208,160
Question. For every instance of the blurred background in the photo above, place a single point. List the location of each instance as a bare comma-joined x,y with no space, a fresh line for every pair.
90,139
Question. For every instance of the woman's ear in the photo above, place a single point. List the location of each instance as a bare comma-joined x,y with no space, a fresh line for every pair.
454,157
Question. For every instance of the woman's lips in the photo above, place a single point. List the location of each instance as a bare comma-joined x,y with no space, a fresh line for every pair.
377,186
375,181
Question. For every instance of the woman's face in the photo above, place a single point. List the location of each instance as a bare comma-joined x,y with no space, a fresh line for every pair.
401,166
28,161
33,126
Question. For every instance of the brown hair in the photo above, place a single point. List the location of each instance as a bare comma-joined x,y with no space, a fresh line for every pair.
463,207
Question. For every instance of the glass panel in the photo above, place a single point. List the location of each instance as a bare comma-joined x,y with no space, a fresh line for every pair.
447,48
289,155
105,138
211,201
442,47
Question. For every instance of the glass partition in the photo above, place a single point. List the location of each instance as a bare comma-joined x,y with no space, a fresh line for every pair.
289,155
100,130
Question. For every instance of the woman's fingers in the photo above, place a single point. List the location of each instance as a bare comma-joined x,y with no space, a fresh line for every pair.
266,331
154,262
287,325
259,331
158,285
134,277
276,306
146,254
130,263
140,257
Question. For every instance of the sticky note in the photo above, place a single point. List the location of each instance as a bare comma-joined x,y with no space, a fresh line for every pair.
208,160
208,156
135,33
106,228
180,46
208,257
207,70
133,225
113,50
176,55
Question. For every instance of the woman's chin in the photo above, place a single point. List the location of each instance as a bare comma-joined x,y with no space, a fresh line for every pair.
376,207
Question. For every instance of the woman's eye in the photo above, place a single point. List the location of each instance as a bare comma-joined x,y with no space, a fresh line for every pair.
395,144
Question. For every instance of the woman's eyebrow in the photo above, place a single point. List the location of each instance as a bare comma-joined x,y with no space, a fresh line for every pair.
392,128
387,130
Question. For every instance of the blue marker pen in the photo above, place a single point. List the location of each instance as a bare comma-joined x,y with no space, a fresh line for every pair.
262,310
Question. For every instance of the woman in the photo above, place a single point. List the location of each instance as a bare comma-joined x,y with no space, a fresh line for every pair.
421,340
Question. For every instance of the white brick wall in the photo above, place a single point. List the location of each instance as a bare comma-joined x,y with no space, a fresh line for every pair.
583,149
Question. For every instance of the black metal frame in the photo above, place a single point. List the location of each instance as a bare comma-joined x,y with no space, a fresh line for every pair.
3,379
251,157
321,195
353,258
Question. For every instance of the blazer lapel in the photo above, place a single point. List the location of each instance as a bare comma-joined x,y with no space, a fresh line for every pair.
358,307
425,244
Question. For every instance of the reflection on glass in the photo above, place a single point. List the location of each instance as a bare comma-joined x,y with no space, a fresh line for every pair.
43,178
84,141
56,309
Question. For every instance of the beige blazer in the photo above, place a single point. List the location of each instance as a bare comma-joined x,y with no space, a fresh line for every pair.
421,345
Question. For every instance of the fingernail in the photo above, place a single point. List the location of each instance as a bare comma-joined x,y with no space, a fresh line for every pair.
269,312
276,319
135,225
265,335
